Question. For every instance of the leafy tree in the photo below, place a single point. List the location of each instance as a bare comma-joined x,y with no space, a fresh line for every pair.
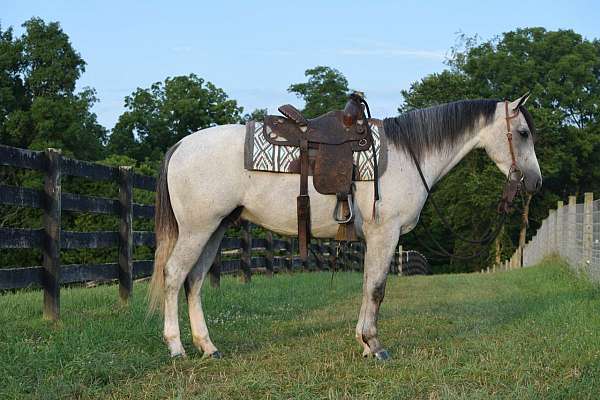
562,70
160,116
326,90
257,115
38,104
40,108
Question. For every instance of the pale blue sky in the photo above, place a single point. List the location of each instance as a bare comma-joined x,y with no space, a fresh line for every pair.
255,50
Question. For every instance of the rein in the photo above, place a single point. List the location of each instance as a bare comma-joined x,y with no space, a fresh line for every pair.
510,191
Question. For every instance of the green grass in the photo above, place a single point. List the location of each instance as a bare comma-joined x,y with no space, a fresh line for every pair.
532,333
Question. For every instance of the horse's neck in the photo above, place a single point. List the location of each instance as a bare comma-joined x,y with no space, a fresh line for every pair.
437,164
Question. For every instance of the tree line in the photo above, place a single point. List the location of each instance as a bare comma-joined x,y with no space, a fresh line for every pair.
40,107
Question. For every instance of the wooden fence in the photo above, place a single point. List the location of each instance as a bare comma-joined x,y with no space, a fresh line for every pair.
272,253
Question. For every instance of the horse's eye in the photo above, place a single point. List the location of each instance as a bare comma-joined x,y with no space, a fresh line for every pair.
524,133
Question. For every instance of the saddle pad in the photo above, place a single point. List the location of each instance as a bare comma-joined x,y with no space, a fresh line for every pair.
260,155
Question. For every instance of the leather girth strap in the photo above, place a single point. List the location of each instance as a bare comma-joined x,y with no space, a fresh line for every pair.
303,202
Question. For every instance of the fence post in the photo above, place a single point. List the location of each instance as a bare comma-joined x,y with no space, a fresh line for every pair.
51,245
395,265
400,259
331,262
361,255
269,253
588,227
571,222
551,232
547,241
215,270
394,262
125,233
289,262
246,249
324,262
558,235
353,254
306,263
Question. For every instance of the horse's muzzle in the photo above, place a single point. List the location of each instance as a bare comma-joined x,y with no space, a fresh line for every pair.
532,182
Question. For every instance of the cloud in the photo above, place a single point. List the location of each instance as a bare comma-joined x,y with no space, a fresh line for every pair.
394,52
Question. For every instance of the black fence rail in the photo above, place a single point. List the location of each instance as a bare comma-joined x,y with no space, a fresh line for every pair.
269,253
51,238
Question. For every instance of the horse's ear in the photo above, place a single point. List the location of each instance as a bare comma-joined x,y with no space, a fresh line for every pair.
514,105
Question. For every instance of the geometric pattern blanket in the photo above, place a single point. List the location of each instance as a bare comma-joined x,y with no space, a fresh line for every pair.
261,155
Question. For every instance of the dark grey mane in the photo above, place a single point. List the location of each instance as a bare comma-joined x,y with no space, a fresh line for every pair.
439,127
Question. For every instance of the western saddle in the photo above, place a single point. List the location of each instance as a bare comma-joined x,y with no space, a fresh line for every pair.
326,146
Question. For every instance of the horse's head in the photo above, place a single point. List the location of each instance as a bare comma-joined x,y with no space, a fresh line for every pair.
513,123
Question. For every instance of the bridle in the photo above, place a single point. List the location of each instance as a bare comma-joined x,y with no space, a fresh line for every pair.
509,135
511,189
515,175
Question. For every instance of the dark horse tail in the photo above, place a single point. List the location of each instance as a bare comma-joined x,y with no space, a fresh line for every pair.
166,231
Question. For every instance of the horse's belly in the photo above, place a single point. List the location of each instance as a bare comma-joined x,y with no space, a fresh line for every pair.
270,201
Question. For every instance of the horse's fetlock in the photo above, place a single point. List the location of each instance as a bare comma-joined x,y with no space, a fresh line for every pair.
368,333
199,341
170,338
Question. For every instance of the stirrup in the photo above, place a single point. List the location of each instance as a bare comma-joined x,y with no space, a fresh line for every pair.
336,211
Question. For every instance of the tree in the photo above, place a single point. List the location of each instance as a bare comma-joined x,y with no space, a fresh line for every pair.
257,115
38,104
160,116
326,90
40,108
562,70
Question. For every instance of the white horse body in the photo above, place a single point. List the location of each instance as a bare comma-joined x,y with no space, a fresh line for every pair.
207,181
208,167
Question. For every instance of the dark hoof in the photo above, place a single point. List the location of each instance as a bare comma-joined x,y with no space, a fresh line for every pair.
382,355
217,355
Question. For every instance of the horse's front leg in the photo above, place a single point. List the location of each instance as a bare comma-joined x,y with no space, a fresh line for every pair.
381,245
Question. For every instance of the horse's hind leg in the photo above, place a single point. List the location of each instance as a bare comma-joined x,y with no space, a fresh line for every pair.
186,252
194,286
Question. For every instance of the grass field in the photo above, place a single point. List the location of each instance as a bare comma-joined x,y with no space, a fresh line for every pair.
532,333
